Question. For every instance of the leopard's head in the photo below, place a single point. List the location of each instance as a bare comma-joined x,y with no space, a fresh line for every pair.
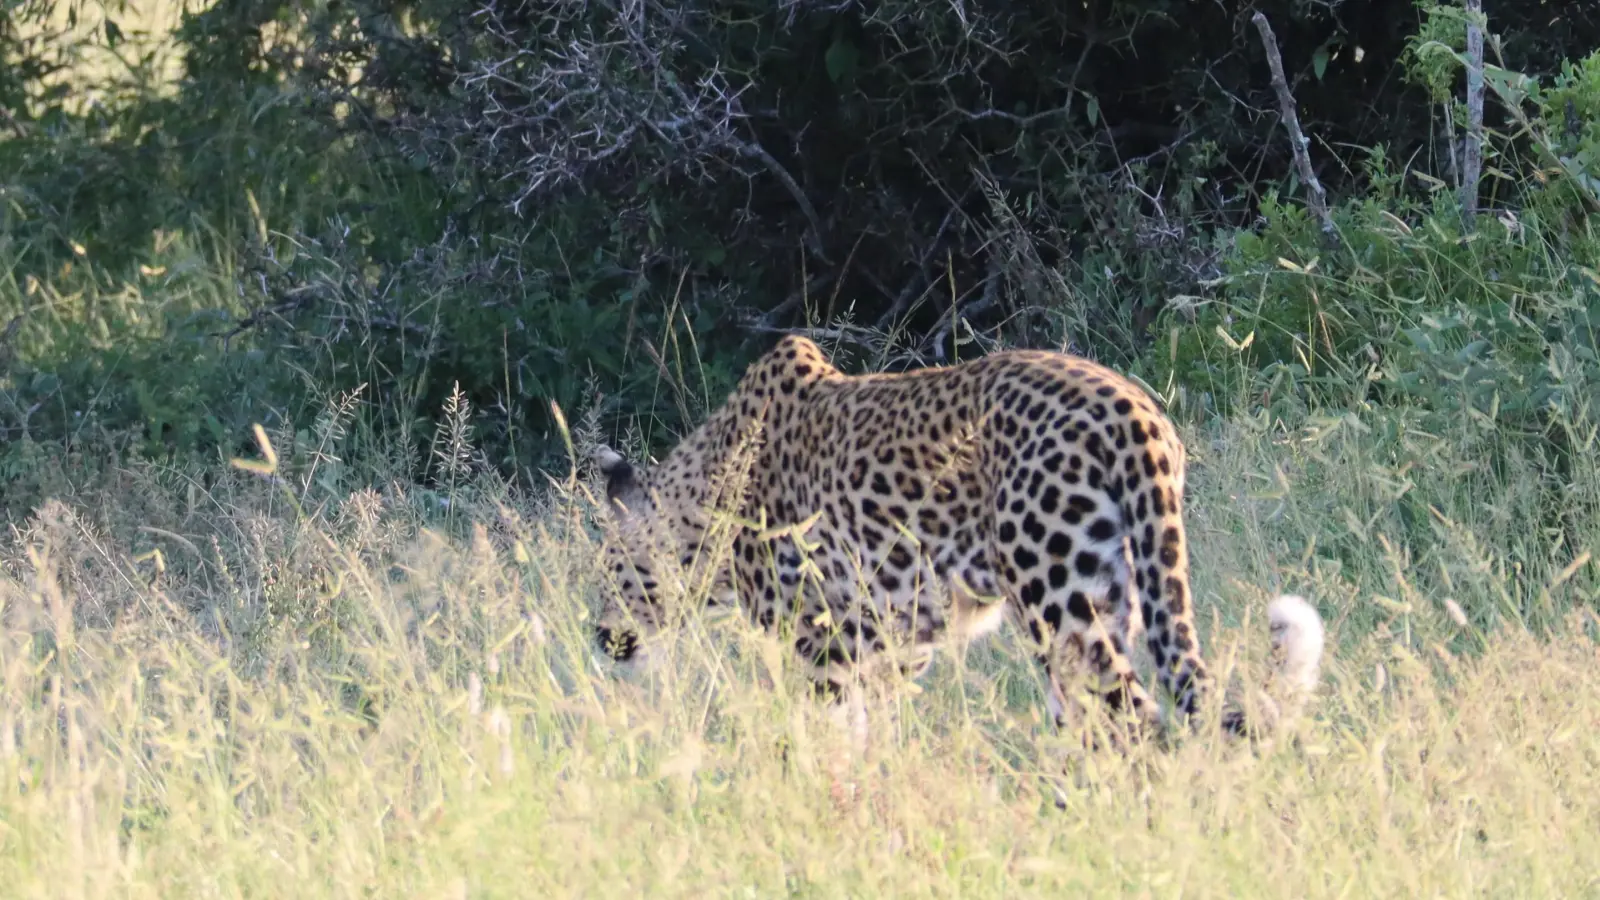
640,559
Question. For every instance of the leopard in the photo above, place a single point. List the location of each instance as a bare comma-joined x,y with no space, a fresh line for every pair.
879,514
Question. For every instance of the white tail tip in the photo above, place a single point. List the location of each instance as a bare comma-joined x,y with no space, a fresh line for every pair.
1297,640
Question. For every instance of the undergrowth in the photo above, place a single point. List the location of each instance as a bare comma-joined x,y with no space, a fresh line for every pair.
278,677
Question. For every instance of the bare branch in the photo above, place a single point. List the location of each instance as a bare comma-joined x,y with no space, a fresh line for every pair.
1291,121
12,121
1024,121
592,90
772,317
1472,161
759,153
903,299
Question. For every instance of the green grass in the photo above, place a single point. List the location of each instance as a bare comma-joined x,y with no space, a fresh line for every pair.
221,684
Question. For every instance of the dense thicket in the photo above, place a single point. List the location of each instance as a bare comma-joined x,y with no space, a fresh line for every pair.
538,199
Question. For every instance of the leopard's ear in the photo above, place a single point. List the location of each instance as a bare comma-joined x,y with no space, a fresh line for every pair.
623,488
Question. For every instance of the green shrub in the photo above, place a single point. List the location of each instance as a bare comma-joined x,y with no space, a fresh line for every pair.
1409,309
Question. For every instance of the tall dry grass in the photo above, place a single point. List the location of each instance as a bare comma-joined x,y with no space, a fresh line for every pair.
261,686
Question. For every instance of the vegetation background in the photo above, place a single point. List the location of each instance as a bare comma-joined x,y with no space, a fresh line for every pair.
436,249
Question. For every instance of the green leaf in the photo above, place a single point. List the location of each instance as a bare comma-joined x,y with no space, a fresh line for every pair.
1093,109
1319,62
840,60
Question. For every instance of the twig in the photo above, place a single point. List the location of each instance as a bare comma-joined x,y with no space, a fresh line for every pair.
1291,120
911,290
1472,162
287,302
1450,144
770,319
1024,121
759,153
855,334
12,121
990,296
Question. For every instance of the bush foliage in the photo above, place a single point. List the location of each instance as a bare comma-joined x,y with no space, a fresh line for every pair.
563,201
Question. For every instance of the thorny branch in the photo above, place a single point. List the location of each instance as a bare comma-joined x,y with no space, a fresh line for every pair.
611,97
627,100
558,111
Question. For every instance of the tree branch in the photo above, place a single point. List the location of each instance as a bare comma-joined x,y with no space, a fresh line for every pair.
759,153
770,319
910,291
1291,120
1472,161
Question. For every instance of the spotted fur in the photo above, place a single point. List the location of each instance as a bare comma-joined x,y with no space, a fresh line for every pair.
1029,486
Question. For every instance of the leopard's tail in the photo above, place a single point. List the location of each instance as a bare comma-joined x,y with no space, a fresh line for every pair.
1298,642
